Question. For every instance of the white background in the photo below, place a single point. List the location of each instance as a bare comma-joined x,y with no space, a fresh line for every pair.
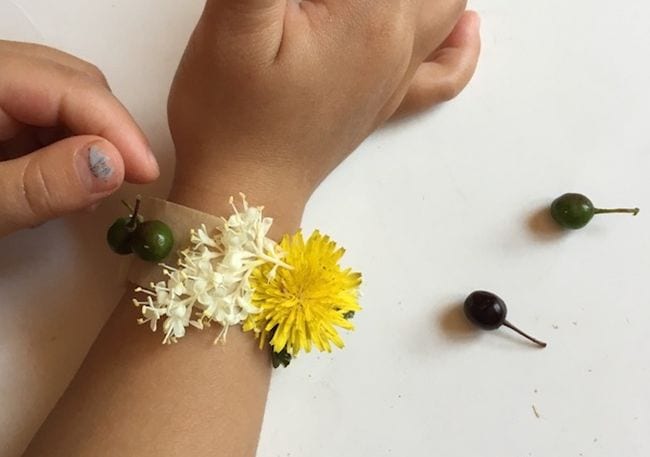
429,210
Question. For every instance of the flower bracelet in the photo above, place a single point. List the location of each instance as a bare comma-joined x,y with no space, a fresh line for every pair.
293,295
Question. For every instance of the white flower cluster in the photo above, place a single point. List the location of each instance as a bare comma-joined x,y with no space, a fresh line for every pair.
211,282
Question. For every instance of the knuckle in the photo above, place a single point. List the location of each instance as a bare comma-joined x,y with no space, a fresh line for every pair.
84,86
84,74
36,194
94,72
47,53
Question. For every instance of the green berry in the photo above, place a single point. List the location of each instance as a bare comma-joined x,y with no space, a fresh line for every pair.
152,241
120,233
119,236
574,211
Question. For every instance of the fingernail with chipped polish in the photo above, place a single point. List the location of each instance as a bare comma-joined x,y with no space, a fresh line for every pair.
95,170
99,164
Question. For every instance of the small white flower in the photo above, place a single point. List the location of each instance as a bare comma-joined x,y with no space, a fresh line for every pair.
200,237
175,284
150,312
174,326
211,280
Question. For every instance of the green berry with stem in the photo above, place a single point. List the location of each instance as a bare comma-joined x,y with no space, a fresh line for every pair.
120,233
574,211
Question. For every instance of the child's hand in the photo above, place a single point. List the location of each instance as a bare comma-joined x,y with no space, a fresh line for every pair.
65,141
277,93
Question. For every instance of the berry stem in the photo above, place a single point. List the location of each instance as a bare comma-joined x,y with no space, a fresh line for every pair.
534,340
632,211
129,207
133,222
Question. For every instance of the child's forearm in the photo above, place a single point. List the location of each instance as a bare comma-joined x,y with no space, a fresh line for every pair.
136,397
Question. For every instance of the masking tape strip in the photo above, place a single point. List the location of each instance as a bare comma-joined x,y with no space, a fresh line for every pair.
181,220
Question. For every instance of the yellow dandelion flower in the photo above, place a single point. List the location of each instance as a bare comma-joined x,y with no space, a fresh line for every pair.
301,307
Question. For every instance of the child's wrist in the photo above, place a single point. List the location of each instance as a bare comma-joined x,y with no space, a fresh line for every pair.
208,189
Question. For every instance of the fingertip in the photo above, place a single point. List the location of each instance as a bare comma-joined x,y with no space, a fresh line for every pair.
473,17
474,26
152,166
145,170
100,167
467,30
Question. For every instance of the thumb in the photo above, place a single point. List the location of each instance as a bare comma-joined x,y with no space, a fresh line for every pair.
448,70
61,178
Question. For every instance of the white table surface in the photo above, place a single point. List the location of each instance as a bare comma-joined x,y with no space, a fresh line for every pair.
429,210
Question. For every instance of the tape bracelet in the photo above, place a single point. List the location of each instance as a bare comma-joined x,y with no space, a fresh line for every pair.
292,295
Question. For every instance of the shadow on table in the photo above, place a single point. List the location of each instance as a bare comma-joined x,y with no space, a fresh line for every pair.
452,321
543,227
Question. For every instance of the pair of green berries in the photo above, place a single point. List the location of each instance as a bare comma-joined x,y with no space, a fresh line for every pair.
151,241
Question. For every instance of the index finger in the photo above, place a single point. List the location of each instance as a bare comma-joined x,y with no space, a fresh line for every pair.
45,94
